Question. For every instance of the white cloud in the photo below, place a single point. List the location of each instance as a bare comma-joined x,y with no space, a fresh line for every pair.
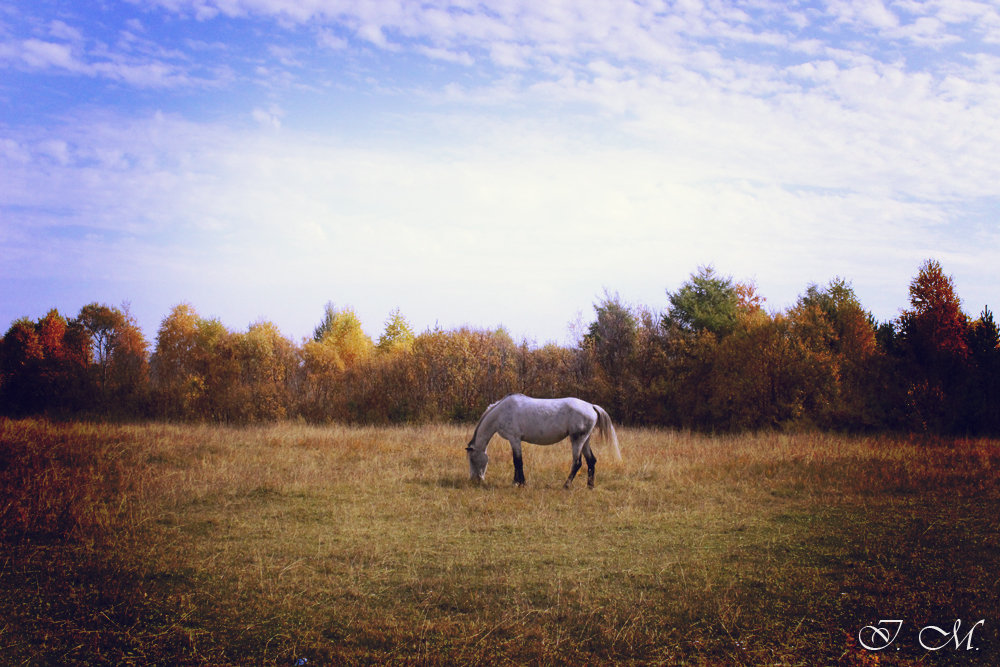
270,117
871,13
927,31
63,57
509,54
330,40
446,55
63,31
371,32
55,149
40,54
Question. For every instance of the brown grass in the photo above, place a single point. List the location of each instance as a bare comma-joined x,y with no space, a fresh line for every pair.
195,545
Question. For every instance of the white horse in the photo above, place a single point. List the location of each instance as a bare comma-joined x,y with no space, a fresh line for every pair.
540,421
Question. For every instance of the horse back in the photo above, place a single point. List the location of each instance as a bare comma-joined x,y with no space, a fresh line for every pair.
546,421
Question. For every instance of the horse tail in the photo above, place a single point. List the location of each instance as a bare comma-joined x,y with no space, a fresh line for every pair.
607,430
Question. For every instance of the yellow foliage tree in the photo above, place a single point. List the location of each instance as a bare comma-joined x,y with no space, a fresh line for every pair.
341,333
185,363
397,336
338,343
265,363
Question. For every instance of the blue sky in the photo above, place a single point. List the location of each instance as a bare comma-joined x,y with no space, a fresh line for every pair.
490,163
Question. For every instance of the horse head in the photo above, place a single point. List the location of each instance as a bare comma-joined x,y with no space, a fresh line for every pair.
477,463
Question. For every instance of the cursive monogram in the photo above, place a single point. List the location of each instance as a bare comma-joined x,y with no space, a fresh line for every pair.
883,634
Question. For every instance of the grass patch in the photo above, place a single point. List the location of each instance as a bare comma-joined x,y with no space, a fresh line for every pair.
211,545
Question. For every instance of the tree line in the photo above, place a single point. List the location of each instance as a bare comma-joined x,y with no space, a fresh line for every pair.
714,358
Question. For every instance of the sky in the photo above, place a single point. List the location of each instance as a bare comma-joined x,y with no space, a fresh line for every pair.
484,164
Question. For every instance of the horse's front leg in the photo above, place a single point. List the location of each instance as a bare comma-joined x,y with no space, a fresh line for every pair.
515,450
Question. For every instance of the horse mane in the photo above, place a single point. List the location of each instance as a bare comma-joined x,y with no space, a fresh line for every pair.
488,410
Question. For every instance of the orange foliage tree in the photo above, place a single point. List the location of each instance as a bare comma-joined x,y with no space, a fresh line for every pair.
120,354
43,366
934,336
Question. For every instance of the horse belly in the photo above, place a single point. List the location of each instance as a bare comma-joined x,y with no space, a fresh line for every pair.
545,438
555,431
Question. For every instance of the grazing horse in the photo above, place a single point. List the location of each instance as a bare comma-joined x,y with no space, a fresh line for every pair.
540,421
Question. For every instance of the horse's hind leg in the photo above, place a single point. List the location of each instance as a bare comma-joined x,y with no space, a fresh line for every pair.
577,442
588,454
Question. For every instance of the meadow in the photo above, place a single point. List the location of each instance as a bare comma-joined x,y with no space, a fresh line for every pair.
162,543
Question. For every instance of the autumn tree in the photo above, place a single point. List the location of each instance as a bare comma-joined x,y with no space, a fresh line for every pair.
447,375
397,335
341,333
613,333
548,371
458,373
934,338
611,340
754,377
186,369
262,366
338,343
100,321
836,342
650,374
43,366
715,377
120,354
175,377
20,364
934,327
66,360
380,390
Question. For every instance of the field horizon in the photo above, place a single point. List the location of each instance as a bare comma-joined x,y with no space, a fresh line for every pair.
205,544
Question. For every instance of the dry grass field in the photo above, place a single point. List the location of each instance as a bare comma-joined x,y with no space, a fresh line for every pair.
187,544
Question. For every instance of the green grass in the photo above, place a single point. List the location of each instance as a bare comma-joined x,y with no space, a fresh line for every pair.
176,544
